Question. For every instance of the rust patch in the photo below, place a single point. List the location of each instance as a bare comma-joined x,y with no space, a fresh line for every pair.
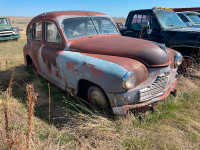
71,66
93,70
135,66
58,74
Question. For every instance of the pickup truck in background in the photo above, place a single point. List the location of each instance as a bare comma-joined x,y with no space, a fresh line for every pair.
7,31
165,26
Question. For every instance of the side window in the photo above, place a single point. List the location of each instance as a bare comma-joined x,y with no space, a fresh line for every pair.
37,31
139,19
51,33
29,34
183,18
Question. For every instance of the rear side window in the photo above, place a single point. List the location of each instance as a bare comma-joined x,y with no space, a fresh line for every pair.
51,33
29,34
139,19
183,18
37,31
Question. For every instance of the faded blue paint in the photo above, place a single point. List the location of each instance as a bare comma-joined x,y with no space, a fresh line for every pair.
111,73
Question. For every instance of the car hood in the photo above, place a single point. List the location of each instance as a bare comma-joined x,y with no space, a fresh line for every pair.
144,51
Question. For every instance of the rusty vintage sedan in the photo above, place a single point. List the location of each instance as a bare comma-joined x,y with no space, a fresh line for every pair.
83,53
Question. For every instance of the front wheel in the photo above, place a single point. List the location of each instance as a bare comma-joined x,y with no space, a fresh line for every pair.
97,98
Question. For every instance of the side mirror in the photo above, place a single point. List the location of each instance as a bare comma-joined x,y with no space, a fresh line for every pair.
149,31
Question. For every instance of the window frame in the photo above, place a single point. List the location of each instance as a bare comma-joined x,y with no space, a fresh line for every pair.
152,15
30,26
45,32
33,31
181,15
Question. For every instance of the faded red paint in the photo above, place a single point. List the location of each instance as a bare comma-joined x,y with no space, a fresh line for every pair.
34,57
197,9
135,66
71,65
171,54
55,14
48,66
145,51
96,72
92,69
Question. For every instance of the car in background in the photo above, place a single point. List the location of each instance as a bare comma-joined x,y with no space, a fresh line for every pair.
83,53
7,31
163,25
191,19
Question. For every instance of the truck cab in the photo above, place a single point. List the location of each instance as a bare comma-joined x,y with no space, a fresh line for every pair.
163,26
7,31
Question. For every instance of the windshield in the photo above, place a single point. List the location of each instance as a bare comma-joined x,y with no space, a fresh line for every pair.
194,17
169,19
3,21
87,26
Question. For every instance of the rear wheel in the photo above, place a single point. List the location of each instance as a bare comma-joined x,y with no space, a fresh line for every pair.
97,98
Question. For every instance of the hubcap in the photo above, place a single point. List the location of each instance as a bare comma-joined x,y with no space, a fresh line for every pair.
97,98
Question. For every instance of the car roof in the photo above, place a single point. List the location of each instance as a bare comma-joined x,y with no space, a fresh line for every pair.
55,14
188,12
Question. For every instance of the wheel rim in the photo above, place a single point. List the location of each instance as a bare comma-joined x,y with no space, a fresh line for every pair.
97,98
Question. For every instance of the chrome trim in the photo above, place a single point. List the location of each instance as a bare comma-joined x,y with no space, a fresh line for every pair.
6,33
156,89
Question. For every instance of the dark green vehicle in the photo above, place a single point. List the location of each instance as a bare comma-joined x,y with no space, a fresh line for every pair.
8,32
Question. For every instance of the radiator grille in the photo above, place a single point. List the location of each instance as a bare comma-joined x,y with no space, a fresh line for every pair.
154,90
6,33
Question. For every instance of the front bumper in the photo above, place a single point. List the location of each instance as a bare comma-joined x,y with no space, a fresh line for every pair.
10,37
137,98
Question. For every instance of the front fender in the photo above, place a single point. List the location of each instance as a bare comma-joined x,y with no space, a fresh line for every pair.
76,66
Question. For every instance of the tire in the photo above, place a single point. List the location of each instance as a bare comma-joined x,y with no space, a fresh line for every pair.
97,98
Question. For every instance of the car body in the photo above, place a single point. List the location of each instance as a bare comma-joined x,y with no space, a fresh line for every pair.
191,19
83,53
8,32
163,26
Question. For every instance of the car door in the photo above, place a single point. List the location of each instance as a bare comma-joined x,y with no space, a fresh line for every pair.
53,45
36,44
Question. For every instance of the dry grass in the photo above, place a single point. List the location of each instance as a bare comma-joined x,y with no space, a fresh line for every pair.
174,125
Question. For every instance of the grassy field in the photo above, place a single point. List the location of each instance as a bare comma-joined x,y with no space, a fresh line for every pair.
74,125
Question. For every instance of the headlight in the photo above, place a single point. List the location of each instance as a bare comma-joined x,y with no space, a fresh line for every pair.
128,80
16,30
178,60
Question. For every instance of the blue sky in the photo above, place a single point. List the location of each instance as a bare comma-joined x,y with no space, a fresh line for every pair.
114,8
